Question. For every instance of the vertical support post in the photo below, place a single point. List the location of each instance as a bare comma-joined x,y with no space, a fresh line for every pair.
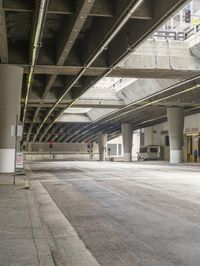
11,84
16,128
127,138
102,141
175,116
148,136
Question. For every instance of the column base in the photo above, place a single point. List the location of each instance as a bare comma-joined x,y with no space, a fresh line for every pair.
175,156
7,158
102,157
127,157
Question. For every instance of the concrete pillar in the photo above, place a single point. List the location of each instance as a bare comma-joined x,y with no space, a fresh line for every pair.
10,91
175,116
141,138
127,138
102,141
148,136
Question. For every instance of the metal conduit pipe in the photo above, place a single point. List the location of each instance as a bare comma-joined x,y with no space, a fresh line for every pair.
36,47
135,6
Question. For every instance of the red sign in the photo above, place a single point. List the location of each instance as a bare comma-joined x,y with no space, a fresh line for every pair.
50,144
192,130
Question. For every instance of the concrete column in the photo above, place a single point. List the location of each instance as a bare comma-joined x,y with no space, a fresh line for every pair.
127,138
175,116
10,91
141,138
148,136
102,141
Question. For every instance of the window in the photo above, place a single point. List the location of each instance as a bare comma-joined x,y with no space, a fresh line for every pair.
154,150
143,150
167,140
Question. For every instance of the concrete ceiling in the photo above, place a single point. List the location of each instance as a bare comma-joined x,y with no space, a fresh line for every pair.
79,43
145,112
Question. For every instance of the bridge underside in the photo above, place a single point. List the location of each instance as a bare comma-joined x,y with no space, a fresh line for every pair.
67,46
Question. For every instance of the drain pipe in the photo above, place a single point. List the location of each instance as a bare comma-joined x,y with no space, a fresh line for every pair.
135,6
36,47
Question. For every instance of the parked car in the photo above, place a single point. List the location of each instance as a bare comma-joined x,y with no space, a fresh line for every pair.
149,152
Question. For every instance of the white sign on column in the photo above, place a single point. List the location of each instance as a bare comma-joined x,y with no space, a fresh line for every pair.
19,160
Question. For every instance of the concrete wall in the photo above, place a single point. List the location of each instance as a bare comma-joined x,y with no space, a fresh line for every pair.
163,54
116,141
31,156
61,147
192,121
195,44
153,136
60,151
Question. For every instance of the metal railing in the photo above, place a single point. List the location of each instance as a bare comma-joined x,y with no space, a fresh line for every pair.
174,35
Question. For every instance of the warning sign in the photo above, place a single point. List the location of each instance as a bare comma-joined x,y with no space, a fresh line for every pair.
19,160
196,21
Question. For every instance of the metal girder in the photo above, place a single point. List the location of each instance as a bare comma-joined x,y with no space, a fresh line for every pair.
87,103
101,8
64,70
128,72
113,41
37,121
3,36
133,32
66,42
109,31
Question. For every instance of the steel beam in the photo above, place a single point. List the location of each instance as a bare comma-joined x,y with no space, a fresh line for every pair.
3,36
67,41
101,8
107,32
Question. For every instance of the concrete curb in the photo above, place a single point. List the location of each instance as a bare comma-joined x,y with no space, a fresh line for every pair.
65,245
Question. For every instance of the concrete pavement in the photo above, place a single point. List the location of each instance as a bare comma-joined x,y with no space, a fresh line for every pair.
22,240
101,213
123,213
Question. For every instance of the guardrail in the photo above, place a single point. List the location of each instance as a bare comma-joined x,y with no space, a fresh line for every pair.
174,35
